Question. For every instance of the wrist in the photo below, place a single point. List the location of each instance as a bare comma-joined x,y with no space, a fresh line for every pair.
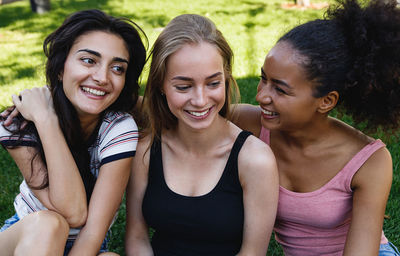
46,121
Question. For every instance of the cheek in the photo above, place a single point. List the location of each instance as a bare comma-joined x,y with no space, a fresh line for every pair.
221,94
174,101
120,86
260,92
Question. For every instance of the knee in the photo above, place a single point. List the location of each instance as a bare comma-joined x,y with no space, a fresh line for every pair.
44,233
47,223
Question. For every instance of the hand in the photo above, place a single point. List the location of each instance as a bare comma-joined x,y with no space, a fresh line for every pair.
34,104
9,114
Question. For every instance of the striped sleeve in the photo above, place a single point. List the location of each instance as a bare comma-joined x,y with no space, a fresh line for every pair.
118,138
8,139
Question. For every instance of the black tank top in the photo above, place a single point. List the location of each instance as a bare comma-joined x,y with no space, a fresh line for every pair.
211,224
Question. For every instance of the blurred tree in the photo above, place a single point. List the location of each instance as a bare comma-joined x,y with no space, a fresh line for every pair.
305,3
40,6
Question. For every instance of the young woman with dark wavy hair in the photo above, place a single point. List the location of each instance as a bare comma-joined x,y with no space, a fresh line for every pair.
75,153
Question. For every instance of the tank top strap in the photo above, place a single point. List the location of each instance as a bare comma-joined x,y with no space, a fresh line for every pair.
241,138
265,135
358,160
237,146
155,163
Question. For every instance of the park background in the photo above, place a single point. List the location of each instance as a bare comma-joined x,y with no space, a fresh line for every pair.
250,26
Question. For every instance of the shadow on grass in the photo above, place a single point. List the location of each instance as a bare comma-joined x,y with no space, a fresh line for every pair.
18,72
20,17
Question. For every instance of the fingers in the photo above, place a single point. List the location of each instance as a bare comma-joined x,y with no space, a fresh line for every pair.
16,100
7,111
31,103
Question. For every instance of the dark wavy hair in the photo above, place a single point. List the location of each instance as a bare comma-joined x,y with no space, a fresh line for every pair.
355,50
56,48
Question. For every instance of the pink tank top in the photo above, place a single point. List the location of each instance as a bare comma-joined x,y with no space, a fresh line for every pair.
316,223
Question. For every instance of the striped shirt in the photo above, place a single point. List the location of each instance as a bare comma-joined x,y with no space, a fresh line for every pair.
116,139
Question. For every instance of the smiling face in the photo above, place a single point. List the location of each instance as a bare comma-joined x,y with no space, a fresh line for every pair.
284,92
94,72
194,85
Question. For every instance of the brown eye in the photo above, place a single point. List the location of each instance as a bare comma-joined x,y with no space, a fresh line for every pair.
88,60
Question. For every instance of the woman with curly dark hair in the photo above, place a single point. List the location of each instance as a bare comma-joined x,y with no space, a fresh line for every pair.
334,179
76,151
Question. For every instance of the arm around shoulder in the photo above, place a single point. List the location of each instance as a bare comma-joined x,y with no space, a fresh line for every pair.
259,178
247,117
137,240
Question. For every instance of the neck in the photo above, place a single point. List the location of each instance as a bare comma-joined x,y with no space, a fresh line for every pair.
308,135
201,140
88,124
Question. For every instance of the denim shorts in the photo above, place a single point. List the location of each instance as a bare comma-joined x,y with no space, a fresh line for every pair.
388,249
68,246
9,222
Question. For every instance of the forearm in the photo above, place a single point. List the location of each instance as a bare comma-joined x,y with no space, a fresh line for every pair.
104,202
137,240
66,191
135,245
89,240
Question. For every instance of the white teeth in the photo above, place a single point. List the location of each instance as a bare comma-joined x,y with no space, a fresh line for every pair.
266,112
93,91
198,113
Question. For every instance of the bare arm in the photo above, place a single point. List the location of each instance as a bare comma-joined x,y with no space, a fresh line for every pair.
247,117
137,233
260,183
104,203
371,185
65,193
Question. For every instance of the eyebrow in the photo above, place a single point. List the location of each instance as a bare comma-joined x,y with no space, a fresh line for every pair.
117,59
184,78
277,81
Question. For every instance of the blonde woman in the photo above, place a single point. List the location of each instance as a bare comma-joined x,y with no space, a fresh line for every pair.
205,186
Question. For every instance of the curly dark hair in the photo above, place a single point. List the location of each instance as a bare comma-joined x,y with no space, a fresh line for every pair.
355,50
56,47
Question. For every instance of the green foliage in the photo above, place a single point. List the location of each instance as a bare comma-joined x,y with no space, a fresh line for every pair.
250,26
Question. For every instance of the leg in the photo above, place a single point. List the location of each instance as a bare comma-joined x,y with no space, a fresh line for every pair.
108,254
40,233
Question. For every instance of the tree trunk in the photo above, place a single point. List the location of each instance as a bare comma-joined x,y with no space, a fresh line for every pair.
40,6
305,3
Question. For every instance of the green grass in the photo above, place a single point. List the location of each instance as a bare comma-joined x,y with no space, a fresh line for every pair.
251,28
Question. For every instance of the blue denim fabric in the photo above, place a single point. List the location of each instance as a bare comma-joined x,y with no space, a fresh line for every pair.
9,222
388,249
104,246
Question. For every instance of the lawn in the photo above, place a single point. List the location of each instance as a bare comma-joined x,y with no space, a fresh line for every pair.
251,28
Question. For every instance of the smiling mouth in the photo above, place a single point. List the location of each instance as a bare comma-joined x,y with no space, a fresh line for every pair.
269,113
93,91
198,114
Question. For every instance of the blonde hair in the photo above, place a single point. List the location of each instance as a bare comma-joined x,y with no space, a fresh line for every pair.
182,30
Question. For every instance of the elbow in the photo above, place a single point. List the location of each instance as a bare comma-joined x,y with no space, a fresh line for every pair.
77,218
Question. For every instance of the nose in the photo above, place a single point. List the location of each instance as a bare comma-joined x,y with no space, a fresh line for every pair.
100,75
199,97
264,93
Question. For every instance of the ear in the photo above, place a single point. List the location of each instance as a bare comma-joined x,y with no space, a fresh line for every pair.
328,102
60,76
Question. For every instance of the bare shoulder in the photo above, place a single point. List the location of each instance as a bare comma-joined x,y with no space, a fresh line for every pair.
247,117
256,159
376,171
